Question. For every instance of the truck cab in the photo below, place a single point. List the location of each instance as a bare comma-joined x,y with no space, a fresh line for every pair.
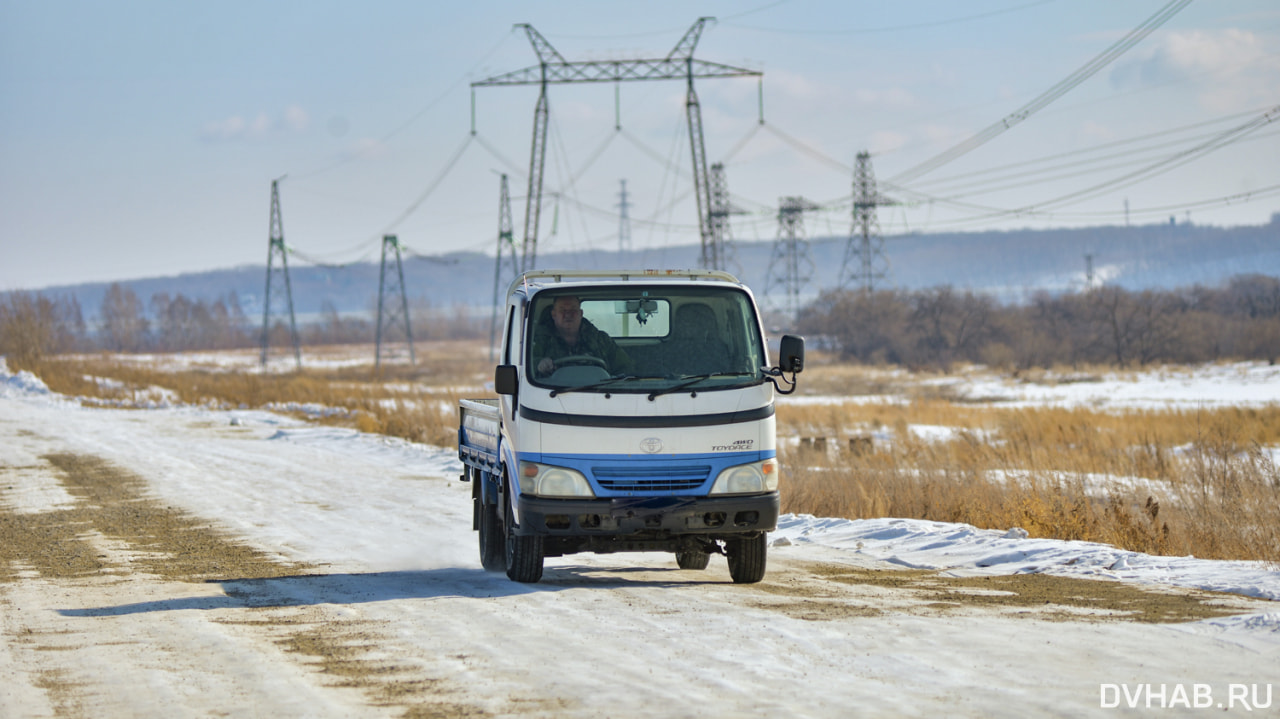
635,413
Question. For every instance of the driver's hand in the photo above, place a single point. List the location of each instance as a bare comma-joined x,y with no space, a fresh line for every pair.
546,365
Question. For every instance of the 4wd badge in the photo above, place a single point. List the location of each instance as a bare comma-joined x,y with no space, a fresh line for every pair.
651,445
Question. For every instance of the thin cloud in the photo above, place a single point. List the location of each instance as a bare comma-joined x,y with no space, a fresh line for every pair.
887,141
239,128
1230,70
297,119
366,147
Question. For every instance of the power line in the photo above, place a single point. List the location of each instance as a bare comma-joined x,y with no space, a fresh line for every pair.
1085,167
1044,99
1239,197
511,166
969,176
417,115
413,206
1224,139
809,150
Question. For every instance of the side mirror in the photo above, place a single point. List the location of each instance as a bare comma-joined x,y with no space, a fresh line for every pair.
791,354
505,379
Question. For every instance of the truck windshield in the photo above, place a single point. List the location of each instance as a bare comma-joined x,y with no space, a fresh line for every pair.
644,338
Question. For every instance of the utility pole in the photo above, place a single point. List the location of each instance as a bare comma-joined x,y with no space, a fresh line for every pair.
506,243
624,224
388,312
864,259
791,266
275,246
552,68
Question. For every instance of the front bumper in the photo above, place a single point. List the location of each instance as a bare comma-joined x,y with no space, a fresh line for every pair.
713,517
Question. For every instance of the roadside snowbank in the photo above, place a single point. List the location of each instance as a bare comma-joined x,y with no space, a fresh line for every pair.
962,549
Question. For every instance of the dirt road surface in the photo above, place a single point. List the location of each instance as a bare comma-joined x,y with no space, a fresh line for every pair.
187,563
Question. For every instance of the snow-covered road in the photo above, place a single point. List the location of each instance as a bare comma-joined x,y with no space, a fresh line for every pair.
344,582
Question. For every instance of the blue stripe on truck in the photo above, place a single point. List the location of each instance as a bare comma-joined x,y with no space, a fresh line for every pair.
614,475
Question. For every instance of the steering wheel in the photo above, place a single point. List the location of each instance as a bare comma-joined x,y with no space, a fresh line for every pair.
581,360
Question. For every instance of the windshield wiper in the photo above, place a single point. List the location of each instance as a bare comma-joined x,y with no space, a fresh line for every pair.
597,385
690,381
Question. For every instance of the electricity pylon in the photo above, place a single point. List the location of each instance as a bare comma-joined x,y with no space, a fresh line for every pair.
388,313
275,247
864,258
552,68
718,254
506,243
791,266
624,224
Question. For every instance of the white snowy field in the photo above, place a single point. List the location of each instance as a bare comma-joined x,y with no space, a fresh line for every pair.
1236,384
393,615
1233,384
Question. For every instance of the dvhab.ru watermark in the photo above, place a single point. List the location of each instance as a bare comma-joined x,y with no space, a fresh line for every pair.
1243,697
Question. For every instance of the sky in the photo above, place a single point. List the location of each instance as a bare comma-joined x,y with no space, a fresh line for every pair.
141,139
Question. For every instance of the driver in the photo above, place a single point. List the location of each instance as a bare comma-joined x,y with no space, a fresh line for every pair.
568,334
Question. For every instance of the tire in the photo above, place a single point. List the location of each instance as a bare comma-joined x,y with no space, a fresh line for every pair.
492,548
523,554
747,558
692,559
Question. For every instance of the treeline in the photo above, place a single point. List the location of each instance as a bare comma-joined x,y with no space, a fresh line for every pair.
35,325
1107,325
925,328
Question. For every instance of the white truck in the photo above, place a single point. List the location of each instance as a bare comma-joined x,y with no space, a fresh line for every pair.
634,413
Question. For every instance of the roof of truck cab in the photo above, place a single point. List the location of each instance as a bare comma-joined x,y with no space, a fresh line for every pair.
537,280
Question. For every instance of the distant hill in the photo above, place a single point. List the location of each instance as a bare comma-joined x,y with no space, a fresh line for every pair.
1010,265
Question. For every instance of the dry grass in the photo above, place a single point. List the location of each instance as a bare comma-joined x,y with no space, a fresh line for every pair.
1171,482
415,402
1164,482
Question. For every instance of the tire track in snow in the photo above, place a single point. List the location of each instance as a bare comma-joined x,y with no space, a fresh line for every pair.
114,535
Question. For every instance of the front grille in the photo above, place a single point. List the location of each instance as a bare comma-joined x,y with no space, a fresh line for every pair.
624,478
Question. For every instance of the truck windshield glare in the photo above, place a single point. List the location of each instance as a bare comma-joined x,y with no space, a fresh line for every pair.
658,338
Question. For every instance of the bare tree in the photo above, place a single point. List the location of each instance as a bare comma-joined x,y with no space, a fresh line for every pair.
123,324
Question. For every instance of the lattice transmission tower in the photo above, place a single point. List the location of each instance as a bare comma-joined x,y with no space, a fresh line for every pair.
392,314
624,224
275,247
719,253
864,258
552,68
511,265
791,267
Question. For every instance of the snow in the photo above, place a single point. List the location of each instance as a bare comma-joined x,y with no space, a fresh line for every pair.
388,524
1240,384
961,549
22,384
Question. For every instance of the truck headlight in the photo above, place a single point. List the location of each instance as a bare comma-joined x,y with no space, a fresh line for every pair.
546,480
754,478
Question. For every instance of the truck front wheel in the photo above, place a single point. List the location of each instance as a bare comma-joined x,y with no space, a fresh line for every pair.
523,554
492,549
747,558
